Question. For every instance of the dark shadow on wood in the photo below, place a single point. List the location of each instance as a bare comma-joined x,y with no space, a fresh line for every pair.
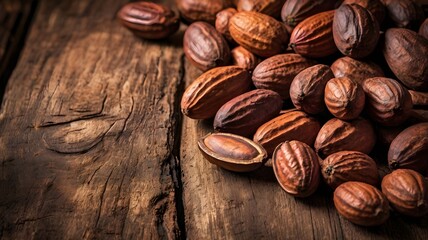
15,18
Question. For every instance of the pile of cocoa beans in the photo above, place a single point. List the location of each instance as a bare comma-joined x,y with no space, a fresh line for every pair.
315,89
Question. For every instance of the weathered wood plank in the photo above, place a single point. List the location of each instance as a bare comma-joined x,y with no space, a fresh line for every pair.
88,126
224,205
15,16
89,130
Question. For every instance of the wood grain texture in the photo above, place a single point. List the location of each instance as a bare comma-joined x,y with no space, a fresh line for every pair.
88,128
220,204
92,146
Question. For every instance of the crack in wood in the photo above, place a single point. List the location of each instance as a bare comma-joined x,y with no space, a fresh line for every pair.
126,119
78,118
102,199
93,174
24,221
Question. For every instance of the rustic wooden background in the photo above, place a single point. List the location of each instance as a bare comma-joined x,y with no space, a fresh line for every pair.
93,144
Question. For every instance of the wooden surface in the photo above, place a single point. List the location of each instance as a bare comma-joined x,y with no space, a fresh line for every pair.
93,145
88,128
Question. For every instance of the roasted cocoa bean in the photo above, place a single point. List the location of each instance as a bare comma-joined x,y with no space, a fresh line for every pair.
387,102
410,149
204,97
361,203
149,20
245,113
307,88
355,31
292,125
356,70
296,167
258,33
406,53
313,37
407,192
348,166
344,98
337,135
276,73
205,47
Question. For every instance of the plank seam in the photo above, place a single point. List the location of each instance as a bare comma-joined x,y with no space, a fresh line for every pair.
175,160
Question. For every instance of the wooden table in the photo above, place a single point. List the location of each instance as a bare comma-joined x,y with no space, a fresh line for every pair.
93,144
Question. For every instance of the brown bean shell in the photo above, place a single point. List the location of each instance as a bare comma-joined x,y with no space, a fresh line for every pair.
205,47
276,73
244,58
258,33
243,114
307,88
404,13
419,99
149,20
337,135
356,70
361,203
423,29
387,102
296,168
406,53
201,10
407,192
344,98
204,97
313,37
292,125
410,149
232,152
348,166
222,22
295,11
375,7
355,31
268,7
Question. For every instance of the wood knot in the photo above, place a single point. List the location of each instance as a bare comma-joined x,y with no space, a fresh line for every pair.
76,137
